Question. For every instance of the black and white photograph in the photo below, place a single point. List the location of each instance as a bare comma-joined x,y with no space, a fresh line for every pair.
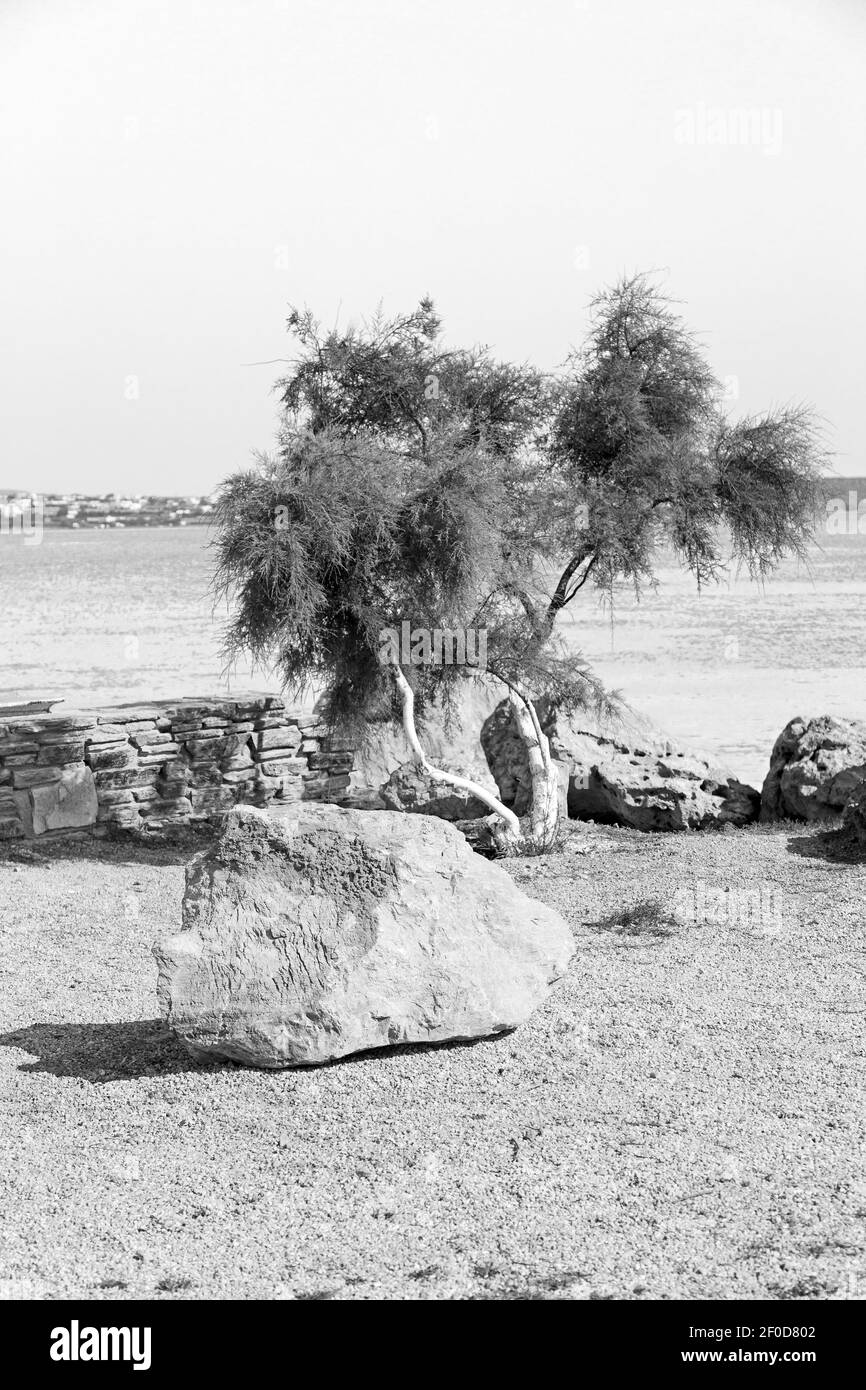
433,676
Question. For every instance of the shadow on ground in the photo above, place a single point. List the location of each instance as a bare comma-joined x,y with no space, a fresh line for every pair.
100,1052
837,846
176,846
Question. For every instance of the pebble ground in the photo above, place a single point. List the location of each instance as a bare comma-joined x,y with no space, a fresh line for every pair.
683,1119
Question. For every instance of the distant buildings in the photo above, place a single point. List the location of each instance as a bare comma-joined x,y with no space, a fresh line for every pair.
78,510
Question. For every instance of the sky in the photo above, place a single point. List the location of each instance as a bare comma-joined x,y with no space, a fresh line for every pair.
175,173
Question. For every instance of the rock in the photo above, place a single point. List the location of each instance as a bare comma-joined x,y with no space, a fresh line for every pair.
74,721
152,740
113,756
17,745
330,762
56,754
116,778
148,752
452,743
630,775
311,932
816,768
107,734
680,791
479,835
19,707
166,811
278,738
131,714
410,788
277,767
122,817
65,804
205,777
173,778
35,776
212,800
123,797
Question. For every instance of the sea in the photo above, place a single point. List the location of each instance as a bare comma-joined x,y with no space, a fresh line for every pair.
94,617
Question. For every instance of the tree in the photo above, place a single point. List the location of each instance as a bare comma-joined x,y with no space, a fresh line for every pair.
411,483
390,498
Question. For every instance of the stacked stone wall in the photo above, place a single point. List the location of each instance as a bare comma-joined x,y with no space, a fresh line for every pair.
145,767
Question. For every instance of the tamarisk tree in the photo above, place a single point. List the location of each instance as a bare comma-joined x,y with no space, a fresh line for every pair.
417,484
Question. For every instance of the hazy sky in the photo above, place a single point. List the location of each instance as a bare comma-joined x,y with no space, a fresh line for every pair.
174,173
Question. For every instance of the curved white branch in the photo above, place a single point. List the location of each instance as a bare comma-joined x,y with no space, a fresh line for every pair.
407,696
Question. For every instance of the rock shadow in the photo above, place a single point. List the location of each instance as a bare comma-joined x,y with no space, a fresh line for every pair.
121,848
838,845
102,1052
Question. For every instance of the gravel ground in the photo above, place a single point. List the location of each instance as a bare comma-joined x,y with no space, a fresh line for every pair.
683,1119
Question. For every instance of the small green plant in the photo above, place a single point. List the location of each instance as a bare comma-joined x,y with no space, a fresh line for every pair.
807,1288
649,917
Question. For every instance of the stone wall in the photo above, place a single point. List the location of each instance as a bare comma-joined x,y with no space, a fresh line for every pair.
145,767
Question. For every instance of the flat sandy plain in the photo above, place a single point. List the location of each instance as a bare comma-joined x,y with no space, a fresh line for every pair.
683,1118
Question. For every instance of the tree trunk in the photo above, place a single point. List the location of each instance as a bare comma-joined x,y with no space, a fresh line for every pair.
544,779
508,835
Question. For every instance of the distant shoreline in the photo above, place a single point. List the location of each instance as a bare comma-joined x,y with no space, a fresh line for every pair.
72,511
127,525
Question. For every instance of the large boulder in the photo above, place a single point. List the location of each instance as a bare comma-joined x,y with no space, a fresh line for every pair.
626,774
310,932
410,788
816,768
450,739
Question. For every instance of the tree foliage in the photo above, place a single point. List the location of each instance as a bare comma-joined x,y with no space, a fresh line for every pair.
440,486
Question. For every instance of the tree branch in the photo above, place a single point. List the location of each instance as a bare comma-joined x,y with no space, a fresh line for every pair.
407,697
561,596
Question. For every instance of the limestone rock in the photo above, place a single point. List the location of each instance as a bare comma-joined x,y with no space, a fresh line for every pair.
652,791
621,775
452,743
816,767
65,804
479,835
311,932
410,788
